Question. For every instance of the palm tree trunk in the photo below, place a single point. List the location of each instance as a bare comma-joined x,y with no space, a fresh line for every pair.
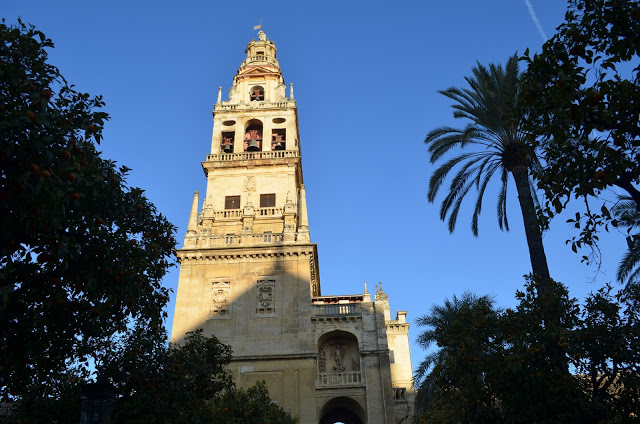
531,225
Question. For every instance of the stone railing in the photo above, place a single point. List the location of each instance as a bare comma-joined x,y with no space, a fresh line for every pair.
339,378
269,212
336,309
238,213
256,104
227,213
273,154
262,58
241,240
400,394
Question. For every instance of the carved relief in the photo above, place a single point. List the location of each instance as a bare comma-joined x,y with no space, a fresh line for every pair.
338,358
250,184
219,304
312,275
265,297
338,353
322,360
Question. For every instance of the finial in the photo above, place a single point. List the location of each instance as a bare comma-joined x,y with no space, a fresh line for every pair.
288,199
248,200
380,282
291,91
365,288
219,95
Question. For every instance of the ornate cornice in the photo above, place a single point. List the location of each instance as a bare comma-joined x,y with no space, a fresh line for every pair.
237,253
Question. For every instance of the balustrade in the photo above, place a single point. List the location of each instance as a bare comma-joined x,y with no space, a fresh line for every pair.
339,378
262,58
273,154
336,309
255,104
269,211
228,213
241,240
399,394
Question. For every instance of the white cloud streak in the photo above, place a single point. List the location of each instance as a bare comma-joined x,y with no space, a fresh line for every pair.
532,13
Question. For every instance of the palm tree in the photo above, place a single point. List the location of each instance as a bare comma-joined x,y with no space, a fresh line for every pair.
499,147
439,321
470,322
628,215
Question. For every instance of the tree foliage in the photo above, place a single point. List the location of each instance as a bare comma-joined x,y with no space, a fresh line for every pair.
499,366
158,383
82,254
583,94
627,215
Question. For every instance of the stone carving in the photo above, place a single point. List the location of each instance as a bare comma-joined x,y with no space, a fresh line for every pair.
312,274
338,355
250,184
338,358
322,360
266,297
219,298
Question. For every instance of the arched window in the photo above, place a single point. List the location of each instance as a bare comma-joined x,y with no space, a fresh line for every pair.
253,136
256,93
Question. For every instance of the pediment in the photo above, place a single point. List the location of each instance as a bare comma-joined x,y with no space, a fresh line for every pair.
258,70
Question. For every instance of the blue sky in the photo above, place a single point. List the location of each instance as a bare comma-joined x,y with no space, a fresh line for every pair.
366,76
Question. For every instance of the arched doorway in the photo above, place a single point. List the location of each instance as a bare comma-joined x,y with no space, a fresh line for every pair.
342,410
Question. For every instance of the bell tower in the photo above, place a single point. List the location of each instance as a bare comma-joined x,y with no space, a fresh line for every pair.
249,272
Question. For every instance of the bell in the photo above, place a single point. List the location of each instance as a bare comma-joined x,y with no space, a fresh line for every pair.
253,146
227,148
278,146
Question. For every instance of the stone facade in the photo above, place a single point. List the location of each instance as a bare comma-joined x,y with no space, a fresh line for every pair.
249,272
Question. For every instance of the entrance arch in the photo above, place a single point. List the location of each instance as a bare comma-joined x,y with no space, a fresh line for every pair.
342,410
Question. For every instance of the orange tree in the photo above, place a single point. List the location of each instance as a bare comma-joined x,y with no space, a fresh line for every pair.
183,383
81,253
583,95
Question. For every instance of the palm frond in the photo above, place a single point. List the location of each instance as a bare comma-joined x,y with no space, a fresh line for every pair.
503,221
629,266
440,174
478,208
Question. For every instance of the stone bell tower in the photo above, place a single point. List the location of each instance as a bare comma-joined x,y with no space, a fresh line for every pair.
249,272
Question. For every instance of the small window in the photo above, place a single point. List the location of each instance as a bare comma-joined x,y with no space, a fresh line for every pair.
232,202
267,200
261,53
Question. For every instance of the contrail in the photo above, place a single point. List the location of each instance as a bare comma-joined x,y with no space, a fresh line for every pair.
535,20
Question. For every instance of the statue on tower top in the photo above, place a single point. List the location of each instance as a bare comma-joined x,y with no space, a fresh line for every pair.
262,36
